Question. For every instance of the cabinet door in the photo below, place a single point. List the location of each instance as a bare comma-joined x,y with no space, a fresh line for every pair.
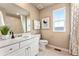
28,51
35,47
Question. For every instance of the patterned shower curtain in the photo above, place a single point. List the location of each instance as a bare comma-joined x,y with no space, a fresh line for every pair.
73,48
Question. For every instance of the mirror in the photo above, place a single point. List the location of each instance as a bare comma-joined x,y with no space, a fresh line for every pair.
15,17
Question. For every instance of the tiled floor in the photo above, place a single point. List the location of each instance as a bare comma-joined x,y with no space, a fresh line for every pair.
52,52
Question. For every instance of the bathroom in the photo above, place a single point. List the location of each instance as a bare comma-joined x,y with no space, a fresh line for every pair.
37,21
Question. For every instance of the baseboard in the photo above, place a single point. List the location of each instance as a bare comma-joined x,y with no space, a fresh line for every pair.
62,49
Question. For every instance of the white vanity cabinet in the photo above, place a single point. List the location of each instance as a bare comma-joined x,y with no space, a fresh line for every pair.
27,47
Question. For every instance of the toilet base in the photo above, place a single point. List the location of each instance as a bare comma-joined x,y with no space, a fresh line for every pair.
42,47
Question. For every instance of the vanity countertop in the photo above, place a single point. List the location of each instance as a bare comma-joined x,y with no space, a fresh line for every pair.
7,42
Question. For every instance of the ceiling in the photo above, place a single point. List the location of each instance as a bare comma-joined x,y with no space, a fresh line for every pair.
13,9
41,5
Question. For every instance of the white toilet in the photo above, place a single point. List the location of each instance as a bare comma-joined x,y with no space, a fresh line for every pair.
43,44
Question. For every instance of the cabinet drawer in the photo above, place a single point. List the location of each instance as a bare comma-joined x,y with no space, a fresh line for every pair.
25,43
8,49
19,52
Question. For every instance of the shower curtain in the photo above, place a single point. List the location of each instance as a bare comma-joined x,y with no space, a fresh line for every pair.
74,44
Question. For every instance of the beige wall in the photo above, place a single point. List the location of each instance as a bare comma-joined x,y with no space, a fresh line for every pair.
60,39
33,13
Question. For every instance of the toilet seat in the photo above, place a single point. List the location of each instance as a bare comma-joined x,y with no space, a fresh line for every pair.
43,41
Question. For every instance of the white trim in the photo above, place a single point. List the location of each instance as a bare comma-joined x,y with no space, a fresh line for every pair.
64,20
62,49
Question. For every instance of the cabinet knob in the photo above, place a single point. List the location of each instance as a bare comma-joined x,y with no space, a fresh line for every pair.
10,48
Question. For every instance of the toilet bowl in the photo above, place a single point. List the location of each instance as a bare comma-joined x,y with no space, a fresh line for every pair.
43,44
